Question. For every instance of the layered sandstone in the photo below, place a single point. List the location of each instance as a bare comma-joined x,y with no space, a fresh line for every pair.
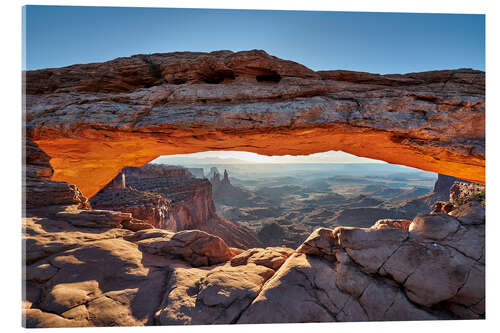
38,189
130,110
152,208
87,267
170,198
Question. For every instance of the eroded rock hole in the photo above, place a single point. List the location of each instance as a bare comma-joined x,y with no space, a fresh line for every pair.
178,81
218,77
271,77
154,69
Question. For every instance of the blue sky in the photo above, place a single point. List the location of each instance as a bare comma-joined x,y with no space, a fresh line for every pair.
374,42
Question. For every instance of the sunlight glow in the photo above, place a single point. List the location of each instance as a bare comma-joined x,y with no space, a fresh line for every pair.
242,157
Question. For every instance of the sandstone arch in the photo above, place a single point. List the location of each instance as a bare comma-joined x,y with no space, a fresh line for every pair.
94,119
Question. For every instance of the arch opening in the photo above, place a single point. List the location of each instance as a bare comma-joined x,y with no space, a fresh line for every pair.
91,160
281,199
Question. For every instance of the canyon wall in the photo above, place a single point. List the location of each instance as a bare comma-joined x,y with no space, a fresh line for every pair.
170,198
130,110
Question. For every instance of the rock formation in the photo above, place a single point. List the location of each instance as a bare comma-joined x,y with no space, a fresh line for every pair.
461,192
87,267
440,193
130,110
38,189
170,198
224,192
150,207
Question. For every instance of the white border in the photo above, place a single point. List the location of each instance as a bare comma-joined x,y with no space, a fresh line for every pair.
10,18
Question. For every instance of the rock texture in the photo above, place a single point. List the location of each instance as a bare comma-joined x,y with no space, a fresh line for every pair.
461,192
77,275
38,189
130,110
88,267
152,208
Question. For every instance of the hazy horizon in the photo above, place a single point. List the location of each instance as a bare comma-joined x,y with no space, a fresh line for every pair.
242,157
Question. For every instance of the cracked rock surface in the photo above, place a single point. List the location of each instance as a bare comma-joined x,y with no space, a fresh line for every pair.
88,276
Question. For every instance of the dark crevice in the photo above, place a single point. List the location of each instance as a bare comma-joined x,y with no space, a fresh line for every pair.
270,77
154,69
178,81
426,98
218,77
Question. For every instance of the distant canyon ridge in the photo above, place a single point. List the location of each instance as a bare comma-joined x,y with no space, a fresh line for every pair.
94,119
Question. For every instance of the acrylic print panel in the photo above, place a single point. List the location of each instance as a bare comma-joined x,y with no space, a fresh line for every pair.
253,167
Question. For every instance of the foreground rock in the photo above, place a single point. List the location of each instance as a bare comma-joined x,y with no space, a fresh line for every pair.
432,268
129,111
194,246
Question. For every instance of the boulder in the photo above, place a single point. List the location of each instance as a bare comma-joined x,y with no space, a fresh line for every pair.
392,223
322,241
217,296
434,226
270,257
195,246
136,225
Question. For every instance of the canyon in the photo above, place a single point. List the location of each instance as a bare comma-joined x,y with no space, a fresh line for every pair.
284,205
84,266
171,198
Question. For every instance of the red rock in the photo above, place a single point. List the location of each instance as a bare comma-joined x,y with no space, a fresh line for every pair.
391,223
194,246
144,106
461,192
171,198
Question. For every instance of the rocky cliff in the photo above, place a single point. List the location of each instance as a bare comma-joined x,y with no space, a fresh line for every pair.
130,110
170,198
152,208
425,203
